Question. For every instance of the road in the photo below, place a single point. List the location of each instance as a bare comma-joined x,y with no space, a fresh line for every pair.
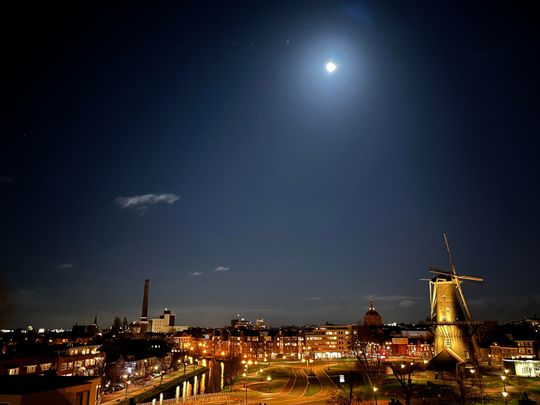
133,390
297,390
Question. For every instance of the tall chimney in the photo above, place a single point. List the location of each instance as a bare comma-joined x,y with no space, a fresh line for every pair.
144,312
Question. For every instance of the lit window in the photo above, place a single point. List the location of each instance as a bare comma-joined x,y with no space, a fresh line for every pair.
13,371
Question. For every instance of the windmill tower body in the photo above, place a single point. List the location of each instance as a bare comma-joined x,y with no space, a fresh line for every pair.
452,322
451,329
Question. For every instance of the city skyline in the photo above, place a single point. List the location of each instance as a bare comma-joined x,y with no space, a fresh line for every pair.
206,146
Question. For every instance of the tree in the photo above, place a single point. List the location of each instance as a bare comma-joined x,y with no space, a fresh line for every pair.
369,357
115,370
353,379
520,384
467,390
403,374
117,324
234,366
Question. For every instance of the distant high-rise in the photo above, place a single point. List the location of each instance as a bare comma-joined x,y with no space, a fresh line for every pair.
144,313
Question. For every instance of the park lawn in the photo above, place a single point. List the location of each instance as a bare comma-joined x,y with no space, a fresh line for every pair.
313,388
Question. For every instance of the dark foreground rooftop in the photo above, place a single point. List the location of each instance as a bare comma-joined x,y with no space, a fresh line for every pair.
18,385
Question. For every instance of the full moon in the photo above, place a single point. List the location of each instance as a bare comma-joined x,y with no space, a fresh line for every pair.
331,67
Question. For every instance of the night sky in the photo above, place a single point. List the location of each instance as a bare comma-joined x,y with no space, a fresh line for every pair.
202,145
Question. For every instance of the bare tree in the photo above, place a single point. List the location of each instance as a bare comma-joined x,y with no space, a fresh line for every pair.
369,357
403,374
354,378
117,324
115,370
234,366
466,389
520,384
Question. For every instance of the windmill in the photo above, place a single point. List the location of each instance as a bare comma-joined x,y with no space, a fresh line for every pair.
453,325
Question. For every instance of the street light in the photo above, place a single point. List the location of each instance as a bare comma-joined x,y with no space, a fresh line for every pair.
245,383
308,362
505,396
126,383
375,389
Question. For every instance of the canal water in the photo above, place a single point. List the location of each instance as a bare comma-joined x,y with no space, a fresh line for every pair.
208,383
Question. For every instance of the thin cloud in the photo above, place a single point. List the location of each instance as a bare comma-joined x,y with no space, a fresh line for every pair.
196,274
6,179
142,202
389,298
313,299
406,303
221,268
66,266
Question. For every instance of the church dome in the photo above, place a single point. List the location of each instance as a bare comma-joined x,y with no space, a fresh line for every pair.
372,317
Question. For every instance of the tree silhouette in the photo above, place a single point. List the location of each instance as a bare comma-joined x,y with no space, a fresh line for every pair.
403,374
117,324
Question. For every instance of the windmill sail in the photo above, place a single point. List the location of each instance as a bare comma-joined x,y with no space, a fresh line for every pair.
449,311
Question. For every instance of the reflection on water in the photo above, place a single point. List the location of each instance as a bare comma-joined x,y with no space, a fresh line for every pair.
208,383
202,389
222,379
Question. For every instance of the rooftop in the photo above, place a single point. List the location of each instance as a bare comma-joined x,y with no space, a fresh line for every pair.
29,384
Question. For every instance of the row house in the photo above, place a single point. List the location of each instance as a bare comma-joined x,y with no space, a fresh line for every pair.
63,361
80,360
26,365
526,348
138,368
498,352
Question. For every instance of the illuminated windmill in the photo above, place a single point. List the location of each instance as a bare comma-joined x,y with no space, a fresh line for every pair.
450,315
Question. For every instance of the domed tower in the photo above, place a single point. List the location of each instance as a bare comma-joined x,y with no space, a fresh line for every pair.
372,319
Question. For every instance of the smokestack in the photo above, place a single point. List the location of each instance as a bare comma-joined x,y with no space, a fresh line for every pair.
144,312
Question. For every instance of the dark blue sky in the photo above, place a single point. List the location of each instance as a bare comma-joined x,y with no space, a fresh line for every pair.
166,141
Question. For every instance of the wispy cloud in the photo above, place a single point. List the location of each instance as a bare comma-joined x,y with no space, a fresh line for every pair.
65,266
6,179
313,299
389,298
196,274
221,268
142,202
392,301
406,303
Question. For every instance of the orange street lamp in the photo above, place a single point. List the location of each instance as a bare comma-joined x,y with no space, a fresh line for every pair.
125,376
505,396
